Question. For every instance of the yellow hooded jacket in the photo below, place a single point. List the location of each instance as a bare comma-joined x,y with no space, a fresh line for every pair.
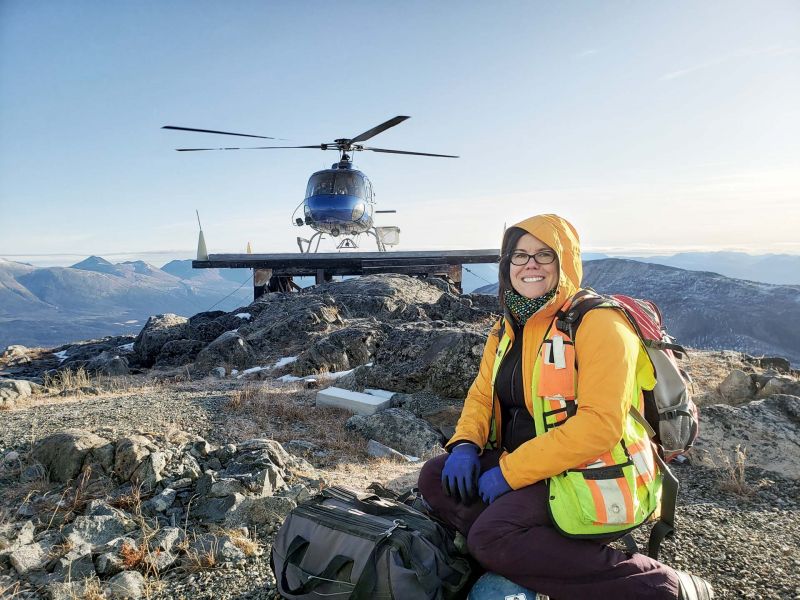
607,350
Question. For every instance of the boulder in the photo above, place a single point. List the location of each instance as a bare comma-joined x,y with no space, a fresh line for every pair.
108,363
13,390
208,326
290,318
341,350
35,556
780,385
158,330
130,453
230,349
216,510
64,454
382,296
399,429
76,564
149,472
96,531
177,353
419,356
737,386
768,430
15,355
128,585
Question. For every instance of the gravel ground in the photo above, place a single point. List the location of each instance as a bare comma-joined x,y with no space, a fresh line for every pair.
747,546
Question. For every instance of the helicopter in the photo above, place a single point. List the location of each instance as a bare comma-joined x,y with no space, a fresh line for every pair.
339,201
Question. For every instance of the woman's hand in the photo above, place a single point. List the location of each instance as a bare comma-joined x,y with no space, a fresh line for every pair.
492,485
460,473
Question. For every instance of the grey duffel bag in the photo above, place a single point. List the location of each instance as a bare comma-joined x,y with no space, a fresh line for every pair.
342,544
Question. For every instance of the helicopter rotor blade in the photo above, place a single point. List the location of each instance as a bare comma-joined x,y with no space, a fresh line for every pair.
380,128
317,147
406,152
263,137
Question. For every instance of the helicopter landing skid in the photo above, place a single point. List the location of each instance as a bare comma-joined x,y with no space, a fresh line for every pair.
307,248
305,244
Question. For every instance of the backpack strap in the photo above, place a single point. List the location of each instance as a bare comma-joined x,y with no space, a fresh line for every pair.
567,321
665,526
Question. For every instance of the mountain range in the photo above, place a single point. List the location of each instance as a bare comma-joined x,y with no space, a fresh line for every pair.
94,298
706,310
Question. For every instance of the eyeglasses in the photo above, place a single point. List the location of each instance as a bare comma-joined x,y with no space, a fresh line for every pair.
544,257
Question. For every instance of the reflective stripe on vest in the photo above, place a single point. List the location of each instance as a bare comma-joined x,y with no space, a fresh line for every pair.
611,493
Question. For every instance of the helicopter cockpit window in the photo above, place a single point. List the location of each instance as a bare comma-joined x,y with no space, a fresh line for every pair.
350,184
320,184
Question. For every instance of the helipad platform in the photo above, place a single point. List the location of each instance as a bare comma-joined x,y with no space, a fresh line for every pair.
274,272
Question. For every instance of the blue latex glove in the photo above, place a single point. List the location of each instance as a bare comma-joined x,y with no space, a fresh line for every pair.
492,485
460,473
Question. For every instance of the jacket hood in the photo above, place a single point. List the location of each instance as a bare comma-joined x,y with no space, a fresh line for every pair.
560,235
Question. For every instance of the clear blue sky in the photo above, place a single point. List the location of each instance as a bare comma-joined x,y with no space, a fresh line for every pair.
653,126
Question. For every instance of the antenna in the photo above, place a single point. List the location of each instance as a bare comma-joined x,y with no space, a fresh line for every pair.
202,252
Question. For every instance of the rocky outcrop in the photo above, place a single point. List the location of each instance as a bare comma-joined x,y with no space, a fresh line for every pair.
14,390
64,455
426,356
400,430
158,330
133,530
342,350
768,430
229,349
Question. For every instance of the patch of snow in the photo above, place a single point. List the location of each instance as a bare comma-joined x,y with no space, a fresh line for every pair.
287,378
126,347
61,356
338,374
243,315
252,370
284,361
234,372
131,322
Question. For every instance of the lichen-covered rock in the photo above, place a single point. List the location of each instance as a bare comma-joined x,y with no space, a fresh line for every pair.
737,386
130,452
780,385
341,350
128,585
424,356
176,353
230,349
381,296
64,454
398,429
768,430
158,330
289,319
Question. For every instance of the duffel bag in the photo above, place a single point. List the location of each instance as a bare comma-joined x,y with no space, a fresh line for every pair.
344,544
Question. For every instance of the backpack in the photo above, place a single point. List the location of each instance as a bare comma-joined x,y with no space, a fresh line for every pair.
668,408
345,544
670,416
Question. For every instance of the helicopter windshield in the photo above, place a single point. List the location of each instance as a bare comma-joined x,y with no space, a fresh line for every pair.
329,182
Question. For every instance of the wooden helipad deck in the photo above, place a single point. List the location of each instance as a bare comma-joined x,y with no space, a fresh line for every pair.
273,272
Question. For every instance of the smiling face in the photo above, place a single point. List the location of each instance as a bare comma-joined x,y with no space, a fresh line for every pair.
533,280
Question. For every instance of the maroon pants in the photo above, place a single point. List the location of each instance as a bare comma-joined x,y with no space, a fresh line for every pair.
514,537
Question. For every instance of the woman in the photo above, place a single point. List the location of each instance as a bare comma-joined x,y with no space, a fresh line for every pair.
545,454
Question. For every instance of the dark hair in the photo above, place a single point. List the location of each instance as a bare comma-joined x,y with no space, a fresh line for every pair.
510,239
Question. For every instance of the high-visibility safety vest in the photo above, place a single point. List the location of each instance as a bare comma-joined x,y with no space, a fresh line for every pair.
612,493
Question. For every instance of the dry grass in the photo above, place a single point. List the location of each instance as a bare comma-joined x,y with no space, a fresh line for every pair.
285,414
10,591
68,380
92,590
732,474
239,538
